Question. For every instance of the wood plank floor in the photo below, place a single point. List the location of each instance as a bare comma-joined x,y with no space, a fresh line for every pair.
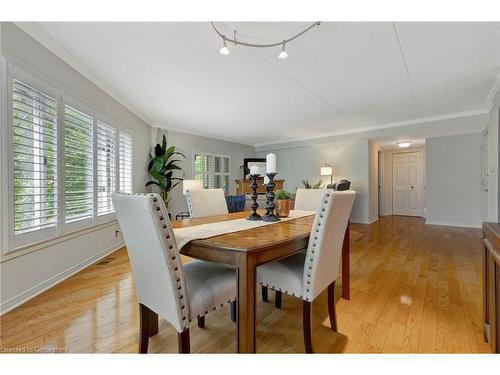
415,289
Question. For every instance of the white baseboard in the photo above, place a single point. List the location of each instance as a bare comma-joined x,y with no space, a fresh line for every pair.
451,224
28,294
363,221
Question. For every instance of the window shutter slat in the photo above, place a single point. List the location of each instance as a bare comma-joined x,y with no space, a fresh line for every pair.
78,166
106,167
35,148
125,162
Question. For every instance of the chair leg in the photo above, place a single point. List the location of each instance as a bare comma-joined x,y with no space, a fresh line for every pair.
153,323
201,321
233,311
265,297
306,324
331,306
145,328
277,299
183,341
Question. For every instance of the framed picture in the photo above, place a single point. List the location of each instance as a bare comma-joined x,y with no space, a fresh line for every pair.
258,162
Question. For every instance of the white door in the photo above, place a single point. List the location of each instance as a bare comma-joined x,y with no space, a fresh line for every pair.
485,179
407,184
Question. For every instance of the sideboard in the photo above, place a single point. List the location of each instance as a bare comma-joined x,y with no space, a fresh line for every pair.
243,186
491,285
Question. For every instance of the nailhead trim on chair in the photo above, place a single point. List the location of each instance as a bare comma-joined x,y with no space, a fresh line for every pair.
315,243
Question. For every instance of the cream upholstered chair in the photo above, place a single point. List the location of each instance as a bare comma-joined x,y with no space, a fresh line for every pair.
178,293
306,275
206,202
307,200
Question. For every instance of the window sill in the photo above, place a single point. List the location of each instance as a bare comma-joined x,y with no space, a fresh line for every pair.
26,249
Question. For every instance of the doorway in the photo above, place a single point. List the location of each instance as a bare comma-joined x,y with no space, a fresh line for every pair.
407,186
485,179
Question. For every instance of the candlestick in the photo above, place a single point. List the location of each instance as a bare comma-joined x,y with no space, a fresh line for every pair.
254,215
254,169
271,216
270,163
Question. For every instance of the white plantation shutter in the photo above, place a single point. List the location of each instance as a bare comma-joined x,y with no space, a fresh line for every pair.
213,170
78,165
34,148
125,178
106,167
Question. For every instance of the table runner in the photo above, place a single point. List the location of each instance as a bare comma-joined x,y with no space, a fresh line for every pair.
202,231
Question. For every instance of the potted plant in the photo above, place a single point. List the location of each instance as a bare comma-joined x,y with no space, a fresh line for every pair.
162,167
308,185
282,203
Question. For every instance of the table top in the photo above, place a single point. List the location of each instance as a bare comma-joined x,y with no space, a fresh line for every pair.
254,239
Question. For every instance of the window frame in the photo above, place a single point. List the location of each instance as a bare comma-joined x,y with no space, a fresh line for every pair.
213,173
10,241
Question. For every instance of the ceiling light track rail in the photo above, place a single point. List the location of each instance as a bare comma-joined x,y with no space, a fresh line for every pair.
283,54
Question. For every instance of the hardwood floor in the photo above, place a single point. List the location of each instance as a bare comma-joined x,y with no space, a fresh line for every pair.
415,289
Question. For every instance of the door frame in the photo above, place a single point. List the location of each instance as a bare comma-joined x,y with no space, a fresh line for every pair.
421,179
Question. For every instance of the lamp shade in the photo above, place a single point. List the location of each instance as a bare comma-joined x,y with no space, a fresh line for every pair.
326,171
191,185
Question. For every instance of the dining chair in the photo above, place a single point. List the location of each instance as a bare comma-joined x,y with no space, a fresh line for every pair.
305,275
178,293
307,200
206,202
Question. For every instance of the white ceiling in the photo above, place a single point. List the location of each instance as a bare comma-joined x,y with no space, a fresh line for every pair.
339,77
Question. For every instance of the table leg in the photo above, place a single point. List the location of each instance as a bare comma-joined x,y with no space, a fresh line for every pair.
246,303
346,273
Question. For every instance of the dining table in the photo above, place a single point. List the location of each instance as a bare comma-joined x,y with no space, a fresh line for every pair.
245,250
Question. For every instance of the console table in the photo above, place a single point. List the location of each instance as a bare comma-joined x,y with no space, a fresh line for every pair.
243,186
491,285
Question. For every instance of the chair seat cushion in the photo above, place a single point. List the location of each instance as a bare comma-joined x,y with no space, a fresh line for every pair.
285,275
209,286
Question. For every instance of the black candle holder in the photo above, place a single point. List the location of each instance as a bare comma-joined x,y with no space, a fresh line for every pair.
254,215
271,216
268,188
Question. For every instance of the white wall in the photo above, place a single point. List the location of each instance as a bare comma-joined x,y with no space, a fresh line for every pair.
373,181
31,270
349,159
453,169
188,143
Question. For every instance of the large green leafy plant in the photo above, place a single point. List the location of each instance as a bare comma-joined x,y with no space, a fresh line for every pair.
162,167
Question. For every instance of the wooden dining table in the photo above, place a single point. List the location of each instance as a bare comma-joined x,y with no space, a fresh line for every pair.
247,249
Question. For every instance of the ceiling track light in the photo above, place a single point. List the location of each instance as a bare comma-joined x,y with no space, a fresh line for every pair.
224,50
282,55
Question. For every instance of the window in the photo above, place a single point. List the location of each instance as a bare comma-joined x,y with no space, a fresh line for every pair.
66,163
125,179
34,143
78,165
106,167
213,170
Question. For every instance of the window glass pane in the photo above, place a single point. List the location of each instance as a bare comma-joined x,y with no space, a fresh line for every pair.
217,181
34,142
106,167
226,184
78,165
217,164
226,165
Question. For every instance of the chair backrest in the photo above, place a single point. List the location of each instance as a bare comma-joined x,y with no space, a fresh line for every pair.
206,202
154,256
308,199
325,242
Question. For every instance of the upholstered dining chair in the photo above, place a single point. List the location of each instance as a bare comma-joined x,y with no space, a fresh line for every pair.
206,202
307,200
178,293
305,275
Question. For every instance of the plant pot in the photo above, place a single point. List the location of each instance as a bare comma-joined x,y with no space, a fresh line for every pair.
282,207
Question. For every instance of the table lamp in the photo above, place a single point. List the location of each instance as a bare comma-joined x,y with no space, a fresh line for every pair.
327,170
